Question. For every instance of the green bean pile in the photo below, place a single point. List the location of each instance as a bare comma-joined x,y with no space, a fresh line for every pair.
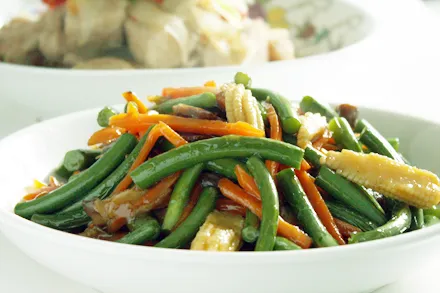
182,175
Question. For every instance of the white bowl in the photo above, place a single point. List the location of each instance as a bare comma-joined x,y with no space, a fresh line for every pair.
117,268
333,25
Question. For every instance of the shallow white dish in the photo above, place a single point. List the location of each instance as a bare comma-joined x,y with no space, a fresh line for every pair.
117,268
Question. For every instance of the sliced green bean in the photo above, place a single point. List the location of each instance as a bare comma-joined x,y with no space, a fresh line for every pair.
188,229
225,167
289,119
309,104
61,173
180,196
313,156
282,243
145,229
350,194
434,211
399,223
418,219
298,200
431,220
243,78
290,138
205,101
104,116
371,194
263,112
269,201
78,160
394,142
345,214
78,188
230,146
343,134
250,231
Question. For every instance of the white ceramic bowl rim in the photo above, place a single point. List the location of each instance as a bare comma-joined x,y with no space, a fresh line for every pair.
9,218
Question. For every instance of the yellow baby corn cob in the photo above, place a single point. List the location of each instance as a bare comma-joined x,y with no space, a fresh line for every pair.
312,126
220,232
417,187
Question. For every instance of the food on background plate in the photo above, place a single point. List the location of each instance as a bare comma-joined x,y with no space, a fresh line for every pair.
234,168
123,34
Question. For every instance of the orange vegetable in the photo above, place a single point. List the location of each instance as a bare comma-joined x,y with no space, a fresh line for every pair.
210,83
171,135
187,91
39,193
131,97
319,205
247,182
289,231
195,194
276,134
305,166
227,205
197,126
106,135
132,110
346,229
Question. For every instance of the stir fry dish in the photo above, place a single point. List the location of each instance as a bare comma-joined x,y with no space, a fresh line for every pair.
235,168
127,34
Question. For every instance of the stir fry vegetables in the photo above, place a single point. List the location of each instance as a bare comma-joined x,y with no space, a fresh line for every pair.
234,168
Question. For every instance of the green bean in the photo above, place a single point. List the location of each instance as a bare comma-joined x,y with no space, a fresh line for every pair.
431,220
205,101
289,119
104,116
418,219
243,78
263,112
61,173
230,146
360,125
250,231
371,194
343,134
350,194
377,143
399,223
180,196
225,167
282,243
309,104
434,211
313,156
78,188
290,138
345,214
394,142
78,160
188,229
298,200
145,229
269,201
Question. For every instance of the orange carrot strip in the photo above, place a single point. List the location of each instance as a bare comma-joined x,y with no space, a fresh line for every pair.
195,194
237,194
187,91
247,182
319,205
305,166
106,135
197,126
345,228
276,134
153,136
230,206
131,97
331,140
284,167
39,193
171,135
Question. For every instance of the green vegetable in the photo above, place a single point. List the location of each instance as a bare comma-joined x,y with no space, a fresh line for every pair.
434,211
188,229
371,194
350,194
282,243
309,104
250,231
78,160
230,146
377,143
418,219
399,223
145,229
61,173
313,156
394,142
205,101
290,138
289,119
104,116
263,112
180,196
243,78
269,201
431,220
303,209
78,188
225,167
345,214
343,134
360,125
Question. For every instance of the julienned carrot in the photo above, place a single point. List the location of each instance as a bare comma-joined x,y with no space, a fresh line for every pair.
247,182
230,206
171,135
153,136
197,126
237,194
39,193
106,135
305,166
187,91
276,134
131,97
197,190
345,228
319,205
